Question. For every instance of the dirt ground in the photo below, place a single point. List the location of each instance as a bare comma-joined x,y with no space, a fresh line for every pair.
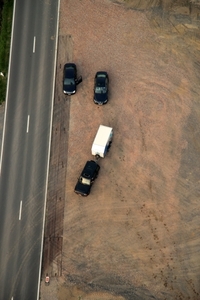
137,235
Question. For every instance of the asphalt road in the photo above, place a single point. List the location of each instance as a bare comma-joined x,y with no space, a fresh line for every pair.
25,147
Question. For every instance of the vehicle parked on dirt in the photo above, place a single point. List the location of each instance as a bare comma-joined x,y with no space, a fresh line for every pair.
102,141
87,178
101,81
70,80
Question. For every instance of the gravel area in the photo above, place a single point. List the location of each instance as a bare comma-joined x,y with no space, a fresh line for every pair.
137,235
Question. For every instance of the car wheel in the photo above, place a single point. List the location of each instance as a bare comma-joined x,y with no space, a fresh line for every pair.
109,145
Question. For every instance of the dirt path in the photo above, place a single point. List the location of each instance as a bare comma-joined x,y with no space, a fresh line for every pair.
137,235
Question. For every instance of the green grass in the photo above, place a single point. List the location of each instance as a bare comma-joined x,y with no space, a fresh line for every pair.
5,36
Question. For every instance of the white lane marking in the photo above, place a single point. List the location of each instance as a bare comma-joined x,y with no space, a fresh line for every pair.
27,126
34,40
8,85
20,210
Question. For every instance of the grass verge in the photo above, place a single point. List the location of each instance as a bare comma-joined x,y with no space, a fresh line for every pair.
5,36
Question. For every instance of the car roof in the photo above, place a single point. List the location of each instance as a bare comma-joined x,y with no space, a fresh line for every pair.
89,169
69,70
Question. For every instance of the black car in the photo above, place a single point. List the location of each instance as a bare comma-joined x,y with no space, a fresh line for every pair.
87,177
70,80
101,88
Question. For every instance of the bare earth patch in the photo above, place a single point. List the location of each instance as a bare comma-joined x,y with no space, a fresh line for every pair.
137,235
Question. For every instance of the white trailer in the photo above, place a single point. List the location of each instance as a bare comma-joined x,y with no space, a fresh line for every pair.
102,141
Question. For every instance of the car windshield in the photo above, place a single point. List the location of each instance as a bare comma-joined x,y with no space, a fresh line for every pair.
85,181
100,90
101,84
69,81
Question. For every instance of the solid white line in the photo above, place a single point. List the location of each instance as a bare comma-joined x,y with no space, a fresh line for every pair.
27,126
8,84
20,210
51,122
34,41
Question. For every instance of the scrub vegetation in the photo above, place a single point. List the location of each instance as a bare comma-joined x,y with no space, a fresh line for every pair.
5,35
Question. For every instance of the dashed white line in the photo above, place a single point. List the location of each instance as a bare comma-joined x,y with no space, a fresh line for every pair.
27,126
20,210
34,41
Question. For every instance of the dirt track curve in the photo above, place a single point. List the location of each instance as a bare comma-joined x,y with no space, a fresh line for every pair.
137,235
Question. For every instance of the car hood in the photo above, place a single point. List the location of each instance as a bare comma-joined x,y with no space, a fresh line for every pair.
69,88
101,98
82,189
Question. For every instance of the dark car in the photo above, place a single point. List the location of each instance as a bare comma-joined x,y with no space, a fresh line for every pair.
101,88
70,80
87,177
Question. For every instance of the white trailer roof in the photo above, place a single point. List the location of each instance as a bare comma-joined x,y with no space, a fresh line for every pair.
102,135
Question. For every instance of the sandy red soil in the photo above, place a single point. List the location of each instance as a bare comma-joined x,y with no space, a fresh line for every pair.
137,235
